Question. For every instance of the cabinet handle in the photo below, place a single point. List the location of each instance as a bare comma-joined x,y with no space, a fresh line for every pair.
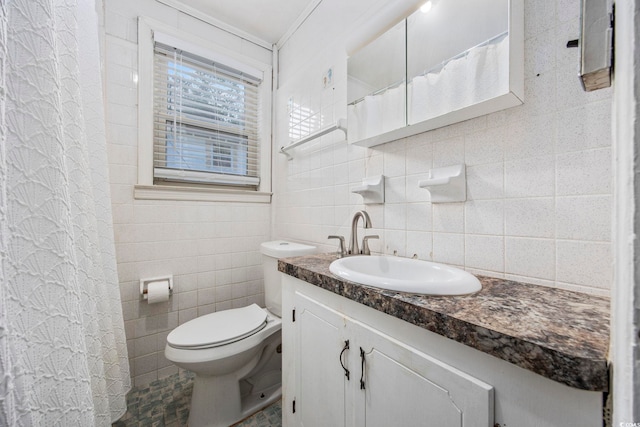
345,348
362,369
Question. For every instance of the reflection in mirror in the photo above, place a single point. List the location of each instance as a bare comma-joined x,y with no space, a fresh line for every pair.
457,56
376,88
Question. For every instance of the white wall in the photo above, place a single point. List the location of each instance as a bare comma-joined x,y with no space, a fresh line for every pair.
210,248
539,175
625,309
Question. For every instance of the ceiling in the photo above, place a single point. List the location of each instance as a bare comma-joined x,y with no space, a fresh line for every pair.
268,20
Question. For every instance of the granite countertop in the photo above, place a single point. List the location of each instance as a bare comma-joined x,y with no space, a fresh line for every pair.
559,334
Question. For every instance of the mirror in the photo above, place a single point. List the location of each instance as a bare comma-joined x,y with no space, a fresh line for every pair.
460,60
376,85
468,64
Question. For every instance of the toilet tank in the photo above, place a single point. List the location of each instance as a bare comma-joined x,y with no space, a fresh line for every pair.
271,251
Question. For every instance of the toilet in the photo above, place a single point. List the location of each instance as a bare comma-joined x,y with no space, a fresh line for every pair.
236,354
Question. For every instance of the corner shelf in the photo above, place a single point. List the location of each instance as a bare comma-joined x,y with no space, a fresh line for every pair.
447,184
371,190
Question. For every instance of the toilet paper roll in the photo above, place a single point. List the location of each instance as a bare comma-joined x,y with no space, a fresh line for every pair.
158,291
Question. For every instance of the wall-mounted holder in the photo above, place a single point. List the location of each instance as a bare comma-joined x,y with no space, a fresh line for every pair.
154,285
447,184
371,190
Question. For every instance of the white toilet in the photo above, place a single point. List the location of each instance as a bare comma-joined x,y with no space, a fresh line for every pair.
236,354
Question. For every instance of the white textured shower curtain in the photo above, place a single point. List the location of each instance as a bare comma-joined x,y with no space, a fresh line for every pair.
63,356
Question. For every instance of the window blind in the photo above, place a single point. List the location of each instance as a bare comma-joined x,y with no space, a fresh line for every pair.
205,120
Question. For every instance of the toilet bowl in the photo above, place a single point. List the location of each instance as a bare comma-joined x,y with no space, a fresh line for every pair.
235,354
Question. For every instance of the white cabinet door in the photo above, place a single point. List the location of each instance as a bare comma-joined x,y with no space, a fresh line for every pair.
320,378
404,387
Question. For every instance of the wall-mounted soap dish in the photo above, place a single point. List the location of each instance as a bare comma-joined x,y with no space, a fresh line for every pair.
447,184
371,190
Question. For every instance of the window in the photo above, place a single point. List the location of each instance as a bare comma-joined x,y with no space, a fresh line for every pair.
205,120
204,117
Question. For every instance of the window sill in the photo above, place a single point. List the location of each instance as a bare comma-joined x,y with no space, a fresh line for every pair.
162,192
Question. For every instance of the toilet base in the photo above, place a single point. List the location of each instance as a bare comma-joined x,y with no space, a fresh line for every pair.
219,406
257,401
222,400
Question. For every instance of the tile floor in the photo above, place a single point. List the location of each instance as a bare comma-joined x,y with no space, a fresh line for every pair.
165,403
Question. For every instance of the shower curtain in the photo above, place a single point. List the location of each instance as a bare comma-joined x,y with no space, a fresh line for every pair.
63,356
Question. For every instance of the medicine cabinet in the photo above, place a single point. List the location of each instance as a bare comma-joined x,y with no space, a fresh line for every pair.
450,61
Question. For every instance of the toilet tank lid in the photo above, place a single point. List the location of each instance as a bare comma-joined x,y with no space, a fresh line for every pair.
284,249
219,328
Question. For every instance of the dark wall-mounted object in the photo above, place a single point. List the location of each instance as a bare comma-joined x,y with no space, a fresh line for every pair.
596,44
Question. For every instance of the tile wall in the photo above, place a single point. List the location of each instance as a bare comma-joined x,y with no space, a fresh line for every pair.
539,177
211,249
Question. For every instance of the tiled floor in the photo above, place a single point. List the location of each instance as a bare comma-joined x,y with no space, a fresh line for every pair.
165,403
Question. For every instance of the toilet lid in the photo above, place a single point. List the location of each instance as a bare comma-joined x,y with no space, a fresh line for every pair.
220,328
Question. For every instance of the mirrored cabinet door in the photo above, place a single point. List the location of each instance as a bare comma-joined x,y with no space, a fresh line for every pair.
376,86
457,56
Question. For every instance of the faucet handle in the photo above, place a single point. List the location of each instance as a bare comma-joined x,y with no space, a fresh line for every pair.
365,244
341,238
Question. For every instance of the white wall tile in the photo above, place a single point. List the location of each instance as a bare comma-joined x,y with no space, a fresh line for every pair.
186,315
484,217
413,190
419,156
145,345
531,137
448,248
542,53
584,172
145,364
484,252
394,160
532,177
448,152
395,242
187,300
486,146
419,217
584,218
448,217
530,217
485,181
395,190
584,263
142,380
530,257
421,244
395,216
581,127
167,371
540,16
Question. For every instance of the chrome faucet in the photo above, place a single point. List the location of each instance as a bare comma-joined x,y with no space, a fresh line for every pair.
353,248
353,240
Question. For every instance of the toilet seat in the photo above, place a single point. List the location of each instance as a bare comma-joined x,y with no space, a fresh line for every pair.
218,329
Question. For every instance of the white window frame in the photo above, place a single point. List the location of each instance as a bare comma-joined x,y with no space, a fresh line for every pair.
146,189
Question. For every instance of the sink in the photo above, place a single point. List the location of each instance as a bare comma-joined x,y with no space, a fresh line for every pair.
405,275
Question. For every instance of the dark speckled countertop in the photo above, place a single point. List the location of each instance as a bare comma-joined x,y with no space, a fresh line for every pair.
559,334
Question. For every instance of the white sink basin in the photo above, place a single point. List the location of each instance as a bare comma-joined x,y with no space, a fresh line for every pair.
405,275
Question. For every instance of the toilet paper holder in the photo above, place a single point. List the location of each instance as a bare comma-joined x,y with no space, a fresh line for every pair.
144,285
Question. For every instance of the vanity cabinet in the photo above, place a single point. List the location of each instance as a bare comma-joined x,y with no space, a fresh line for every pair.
411,376
346,373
